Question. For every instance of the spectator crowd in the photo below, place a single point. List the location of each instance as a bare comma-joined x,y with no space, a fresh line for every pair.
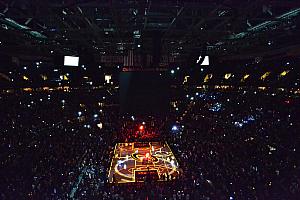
229,145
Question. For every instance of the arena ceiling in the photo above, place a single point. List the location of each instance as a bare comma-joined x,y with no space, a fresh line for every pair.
223,27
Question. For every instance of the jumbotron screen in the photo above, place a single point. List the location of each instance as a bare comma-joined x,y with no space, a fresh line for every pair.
144,93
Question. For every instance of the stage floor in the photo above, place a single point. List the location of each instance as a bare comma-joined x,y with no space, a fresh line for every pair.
133,162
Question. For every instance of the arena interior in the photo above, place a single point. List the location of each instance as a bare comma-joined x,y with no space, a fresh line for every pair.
149,100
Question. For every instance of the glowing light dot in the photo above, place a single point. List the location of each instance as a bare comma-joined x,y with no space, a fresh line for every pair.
141,128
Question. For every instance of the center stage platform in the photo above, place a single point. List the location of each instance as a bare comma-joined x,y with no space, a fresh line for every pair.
138,161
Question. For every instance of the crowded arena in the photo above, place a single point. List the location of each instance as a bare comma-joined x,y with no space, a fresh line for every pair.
149,100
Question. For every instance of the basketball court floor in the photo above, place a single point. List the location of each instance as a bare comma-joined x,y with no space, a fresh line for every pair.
137,161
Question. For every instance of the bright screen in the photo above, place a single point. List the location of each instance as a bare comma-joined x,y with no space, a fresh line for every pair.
204,62
71,61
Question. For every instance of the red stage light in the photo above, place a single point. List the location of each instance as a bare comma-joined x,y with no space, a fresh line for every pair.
141,127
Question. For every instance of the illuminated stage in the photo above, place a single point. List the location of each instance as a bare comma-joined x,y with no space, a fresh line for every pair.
135,162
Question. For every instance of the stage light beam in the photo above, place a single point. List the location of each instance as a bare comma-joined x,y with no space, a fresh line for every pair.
227,76
264,76
207,78
245,77
284,73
